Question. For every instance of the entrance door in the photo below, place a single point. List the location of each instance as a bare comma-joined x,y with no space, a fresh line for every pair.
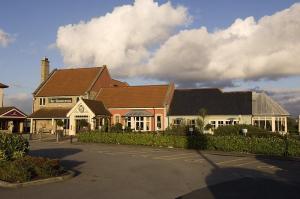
82,125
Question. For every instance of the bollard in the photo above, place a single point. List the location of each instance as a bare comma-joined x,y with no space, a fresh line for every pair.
286,150
71,139
57,138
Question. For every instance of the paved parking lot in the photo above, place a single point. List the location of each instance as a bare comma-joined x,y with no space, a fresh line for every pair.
118,171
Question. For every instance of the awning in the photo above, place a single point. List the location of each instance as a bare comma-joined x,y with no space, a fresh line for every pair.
138,113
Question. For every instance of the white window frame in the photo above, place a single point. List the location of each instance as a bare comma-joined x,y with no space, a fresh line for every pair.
115,118
42,101
161,122
139,120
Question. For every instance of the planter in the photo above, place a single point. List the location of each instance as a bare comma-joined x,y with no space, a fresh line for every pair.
68,175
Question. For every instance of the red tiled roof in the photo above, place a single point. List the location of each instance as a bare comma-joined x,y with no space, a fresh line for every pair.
134,96
97,107
117,83
69,82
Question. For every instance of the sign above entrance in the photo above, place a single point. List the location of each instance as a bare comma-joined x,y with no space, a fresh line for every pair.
81,109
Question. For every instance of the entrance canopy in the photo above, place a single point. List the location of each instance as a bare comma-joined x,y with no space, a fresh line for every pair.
49,113
138,113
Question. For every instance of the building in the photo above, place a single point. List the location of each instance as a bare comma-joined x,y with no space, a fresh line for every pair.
60,91
12,120
140,108
84,97
227,108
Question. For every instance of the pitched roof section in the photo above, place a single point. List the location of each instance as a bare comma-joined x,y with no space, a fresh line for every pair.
4,111
117,83
262,104
47,113
69,82
134,96
216,102
97,107
3,85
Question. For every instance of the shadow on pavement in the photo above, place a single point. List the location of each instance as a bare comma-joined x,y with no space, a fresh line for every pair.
238,182
59,153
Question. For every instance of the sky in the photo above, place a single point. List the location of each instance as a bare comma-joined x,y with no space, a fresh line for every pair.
234,45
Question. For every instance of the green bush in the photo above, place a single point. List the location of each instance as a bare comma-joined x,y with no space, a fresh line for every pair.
12,146
29,168
117,128
230,143
181,130
252,131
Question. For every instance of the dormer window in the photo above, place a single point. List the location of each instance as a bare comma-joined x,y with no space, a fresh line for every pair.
42,101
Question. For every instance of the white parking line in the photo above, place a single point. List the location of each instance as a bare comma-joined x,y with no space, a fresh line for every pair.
229,161
245,163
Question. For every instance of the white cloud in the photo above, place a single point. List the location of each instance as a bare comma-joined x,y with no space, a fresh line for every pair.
248,49
5,38
121,39
139,41
23,101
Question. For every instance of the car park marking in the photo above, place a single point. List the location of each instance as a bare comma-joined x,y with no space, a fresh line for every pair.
245,163
173,156
229,161
177,157
268,167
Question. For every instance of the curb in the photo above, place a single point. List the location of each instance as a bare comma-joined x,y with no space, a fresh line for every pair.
67,176
221,153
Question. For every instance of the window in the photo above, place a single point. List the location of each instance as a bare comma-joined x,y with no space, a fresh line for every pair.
235,122
177,121
158,122
147,123
128,122
117,119
220,123
192,123
213,124
42,101
139,123
228,122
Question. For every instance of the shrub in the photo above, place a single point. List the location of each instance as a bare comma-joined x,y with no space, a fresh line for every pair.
117,128
234,143
12,146
252,131
182,130
29,168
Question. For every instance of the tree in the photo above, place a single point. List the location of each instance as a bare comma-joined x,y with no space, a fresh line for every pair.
201,119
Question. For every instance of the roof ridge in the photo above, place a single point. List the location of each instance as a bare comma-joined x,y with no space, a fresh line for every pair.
76,68
44,82
96,78
136,86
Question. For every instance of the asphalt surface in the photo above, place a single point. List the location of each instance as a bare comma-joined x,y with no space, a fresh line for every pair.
116,171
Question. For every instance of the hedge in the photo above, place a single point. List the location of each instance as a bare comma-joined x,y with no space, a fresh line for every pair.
12,146
29,168
230,143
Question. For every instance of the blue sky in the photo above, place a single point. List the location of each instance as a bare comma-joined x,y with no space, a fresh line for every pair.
33,25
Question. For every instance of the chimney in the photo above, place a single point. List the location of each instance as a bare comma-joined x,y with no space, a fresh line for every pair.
2,87
44,69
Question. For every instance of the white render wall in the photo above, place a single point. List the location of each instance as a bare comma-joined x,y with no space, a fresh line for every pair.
243,119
